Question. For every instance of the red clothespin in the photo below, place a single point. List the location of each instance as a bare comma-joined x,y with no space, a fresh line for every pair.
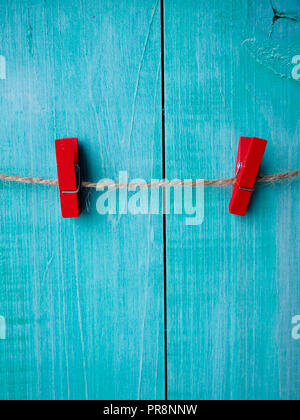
68,176
250,155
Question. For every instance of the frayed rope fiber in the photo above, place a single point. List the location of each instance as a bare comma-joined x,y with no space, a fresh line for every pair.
161,184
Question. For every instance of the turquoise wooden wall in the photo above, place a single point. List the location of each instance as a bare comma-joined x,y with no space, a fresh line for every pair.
84,303
233,283
82,299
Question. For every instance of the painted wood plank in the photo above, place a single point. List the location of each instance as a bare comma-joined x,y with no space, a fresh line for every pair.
82,299
233,283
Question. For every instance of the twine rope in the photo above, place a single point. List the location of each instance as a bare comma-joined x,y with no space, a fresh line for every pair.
161,184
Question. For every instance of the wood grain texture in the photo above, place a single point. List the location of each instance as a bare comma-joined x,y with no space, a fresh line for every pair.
233,283
82,299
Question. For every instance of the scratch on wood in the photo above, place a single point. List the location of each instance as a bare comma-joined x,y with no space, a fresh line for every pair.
30,36
140,70
47,268
2,68
145,313
92,99
2,328
80,314
64,315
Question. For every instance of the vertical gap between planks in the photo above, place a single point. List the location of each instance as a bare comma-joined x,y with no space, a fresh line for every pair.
164,177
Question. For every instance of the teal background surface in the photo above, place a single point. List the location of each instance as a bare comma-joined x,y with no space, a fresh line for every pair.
119,307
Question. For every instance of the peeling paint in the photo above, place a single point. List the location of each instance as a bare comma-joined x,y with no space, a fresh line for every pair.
274,57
